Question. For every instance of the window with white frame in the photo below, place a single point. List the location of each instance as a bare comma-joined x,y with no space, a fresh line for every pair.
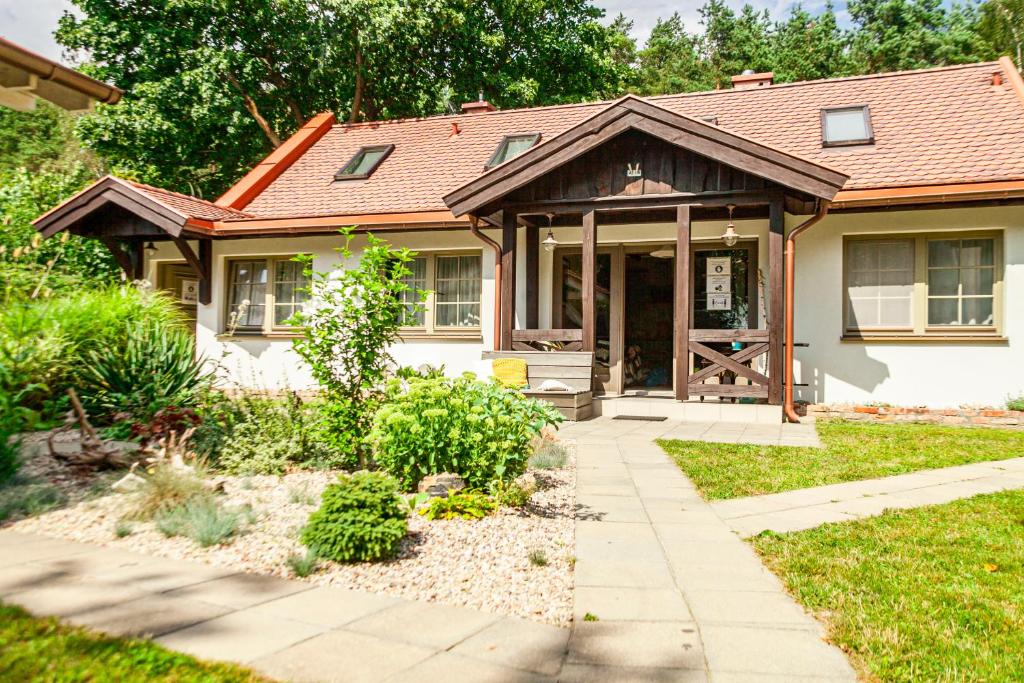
923,284
264,293
453,286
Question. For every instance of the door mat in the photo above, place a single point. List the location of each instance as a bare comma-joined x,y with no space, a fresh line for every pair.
645,418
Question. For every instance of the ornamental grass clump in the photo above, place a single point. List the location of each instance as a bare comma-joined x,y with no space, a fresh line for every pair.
478,430
361,519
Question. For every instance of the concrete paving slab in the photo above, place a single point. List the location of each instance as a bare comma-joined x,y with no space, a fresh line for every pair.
436,626
772,608
159,574
633,550
620,603
602,572
68,598
759,650
518,644
149,616
343,657
23,577
37,549
240,590
613,531
666,645
325,606
585,673
745,576
451,668
239,637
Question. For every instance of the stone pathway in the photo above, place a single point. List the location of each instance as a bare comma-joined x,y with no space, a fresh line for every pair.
665,591
782,434
808,508
676,593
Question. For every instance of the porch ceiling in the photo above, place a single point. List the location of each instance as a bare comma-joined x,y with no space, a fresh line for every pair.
632,114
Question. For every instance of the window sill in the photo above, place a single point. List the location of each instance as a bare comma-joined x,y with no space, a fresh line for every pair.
417,335
925,339
248,336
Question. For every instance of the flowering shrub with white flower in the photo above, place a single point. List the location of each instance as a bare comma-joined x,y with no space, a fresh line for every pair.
353,316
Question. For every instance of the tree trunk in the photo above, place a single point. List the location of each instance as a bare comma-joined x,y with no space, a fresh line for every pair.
357,98
254,111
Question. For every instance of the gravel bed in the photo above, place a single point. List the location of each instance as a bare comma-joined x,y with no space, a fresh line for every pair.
483,564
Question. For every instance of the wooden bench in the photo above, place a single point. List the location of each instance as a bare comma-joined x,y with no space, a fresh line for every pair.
572,368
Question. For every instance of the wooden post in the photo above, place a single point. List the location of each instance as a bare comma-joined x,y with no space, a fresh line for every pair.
532,276
681,318
589,280
138,254
776,300
508,278
206,260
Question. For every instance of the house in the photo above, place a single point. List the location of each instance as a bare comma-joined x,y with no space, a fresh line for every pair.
644,229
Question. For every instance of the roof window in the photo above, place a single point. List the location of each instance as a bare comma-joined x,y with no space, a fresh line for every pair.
713,120
512,146
364,162
846,126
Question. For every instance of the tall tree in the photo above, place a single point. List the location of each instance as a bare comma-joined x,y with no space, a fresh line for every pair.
1002,26
806,47
670,61
211,85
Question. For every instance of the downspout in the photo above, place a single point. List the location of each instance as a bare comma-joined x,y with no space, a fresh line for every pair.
474,227
787,404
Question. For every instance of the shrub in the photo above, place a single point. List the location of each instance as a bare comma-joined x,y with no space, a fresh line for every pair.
45,343
166,487
29,499
354,316
268,436
1015,403
511,494
550,454
303,565
202,518
459,505
475,429
538,557
360,519
152,369
123,528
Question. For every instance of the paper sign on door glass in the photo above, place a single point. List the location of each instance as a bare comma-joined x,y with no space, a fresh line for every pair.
189,291
719,302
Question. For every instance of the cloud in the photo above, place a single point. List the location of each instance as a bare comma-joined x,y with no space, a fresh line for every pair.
31,23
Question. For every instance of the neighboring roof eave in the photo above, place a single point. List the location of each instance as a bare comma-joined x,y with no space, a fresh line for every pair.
48,70
929,194
632,113
411,220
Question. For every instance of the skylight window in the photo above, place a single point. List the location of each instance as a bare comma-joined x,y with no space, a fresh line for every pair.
512,146
846,126
364,163
713,120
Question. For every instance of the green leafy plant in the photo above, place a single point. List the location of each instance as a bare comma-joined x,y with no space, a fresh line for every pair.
459,505
1015,403
303,565
550,454
511,494
538,557
201,518
28,499
360,519
478,430
268,436
354,317
590,617
154,367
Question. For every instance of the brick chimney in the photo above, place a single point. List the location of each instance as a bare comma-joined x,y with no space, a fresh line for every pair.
478,107
749,79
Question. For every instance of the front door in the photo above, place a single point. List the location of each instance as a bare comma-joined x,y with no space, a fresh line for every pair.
180,281
724,286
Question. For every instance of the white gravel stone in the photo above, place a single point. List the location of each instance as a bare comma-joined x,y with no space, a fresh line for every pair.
482,564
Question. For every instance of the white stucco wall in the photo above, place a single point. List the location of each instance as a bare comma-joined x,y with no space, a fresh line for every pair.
929,374
932,374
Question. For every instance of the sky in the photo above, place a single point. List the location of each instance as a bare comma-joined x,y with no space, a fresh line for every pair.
31,23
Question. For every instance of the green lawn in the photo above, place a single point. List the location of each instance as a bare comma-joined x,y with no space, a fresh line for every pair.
852,450
34,649
932,594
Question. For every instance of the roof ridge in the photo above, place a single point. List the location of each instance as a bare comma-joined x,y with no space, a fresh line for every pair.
666,96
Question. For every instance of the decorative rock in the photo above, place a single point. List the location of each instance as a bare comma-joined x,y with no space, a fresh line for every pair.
129,483
438,485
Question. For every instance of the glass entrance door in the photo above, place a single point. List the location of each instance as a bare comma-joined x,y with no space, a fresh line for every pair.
724,287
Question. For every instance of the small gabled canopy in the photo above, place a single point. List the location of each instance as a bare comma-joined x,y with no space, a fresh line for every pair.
153,210
632,113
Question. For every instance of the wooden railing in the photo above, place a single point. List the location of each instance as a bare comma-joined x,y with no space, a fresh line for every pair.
728,366
547,340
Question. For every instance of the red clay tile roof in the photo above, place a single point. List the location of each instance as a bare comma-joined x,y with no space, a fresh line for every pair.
945,125
188,206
